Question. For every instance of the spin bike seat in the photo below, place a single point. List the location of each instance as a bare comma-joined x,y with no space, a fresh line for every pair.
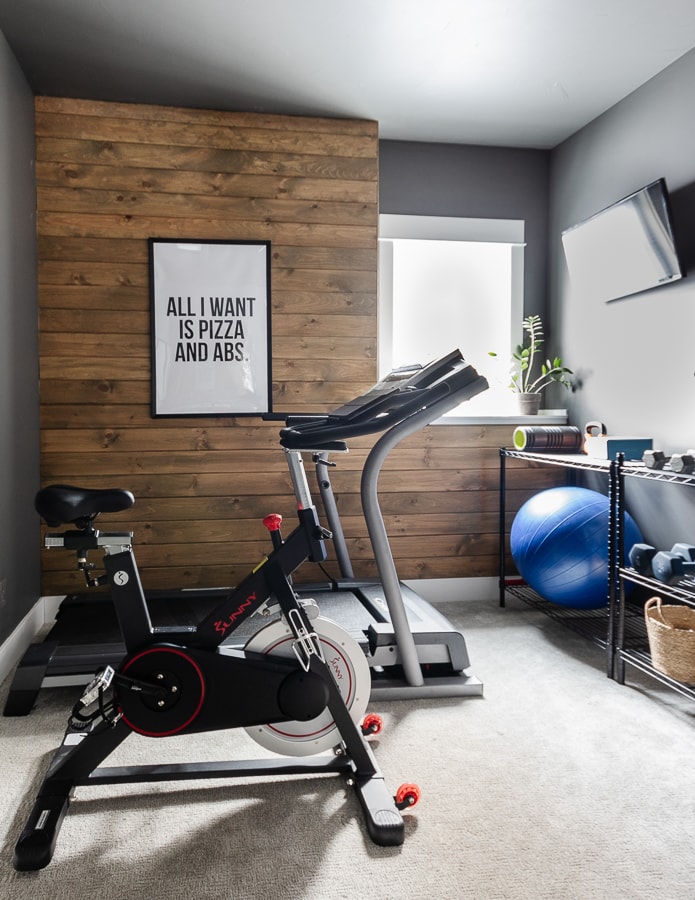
60,504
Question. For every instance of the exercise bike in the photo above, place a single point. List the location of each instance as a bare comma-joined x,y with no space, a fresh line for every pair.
413,651
299,686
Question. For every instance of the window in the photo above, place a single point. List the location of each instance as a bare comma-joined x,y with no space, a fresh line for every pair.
447,283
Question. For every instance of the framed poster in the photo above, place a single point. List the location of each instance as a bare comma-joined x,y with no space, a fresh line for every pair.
210,318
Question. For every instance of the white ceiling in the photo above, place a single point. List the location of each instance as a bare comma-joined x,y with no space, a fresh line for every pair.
520,73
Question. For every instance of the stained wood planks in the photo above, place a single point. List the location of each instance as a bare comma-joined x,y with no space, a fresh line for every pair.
109,176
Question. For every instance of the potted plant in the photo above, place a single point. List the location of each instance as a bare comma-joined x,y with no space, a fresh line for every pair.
524,378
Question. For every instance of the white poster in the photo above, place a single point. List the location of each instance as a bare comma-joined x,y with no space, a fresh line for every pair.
210,327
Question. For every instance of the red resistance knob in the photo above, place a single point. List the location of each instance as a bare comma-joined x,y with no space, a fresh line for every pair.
273,522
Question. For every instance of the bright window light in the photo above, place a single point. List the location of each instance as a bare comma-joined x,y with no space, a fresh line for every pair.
447,284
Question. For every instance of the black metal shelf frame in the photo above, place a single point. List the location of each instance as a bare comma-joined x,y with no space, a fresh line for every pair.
590,624
632,648
620,627
594,625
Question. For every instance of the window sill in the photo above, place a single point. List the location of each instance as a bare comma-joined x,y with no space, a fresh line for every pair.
544,417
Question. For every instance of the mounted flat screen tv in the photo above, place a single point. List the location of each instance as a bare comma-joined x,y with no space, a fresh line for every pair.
624,249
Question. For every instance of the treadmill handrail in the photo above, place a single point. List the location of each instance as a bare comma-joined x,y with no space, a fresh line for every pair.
444,377
401,378
397,380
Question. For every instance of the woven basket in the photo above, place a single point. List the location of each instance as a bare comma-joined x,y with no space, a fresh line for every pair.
671,633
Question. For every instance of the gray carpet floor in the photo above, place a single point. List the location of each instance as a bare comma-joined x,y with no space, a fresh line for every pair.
558,784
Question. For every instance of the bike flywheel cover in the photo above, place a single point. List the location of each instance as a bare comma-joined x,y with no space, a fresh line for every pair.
350,669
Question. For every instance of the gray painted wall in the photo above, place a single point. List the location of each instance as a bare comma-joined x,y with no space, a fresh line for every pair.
19,380
476,182
635,356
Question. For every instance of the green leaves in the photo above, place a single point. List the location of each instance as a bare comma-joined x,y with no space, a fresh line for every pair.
524,355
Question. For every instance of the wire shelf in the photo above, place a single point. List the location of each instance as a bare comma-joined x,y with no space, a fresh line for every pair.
591,624
619,628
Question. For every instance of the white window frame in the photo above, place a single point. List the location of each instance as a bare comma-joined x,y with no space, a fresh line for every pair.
444,228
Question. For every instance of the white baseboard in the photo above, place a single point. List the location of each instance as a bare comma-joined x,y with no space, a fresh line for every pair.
13,648
447,590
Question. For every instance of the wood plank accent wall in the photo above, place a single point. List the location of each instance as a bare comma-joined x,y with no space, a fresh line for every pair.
109,176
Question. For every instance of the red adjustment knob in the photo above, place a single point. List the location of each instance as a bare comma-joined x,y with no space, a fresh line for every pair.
273,522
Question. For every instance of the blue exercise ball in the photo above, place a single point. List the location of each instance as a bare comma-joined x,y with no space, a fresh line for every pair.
559,543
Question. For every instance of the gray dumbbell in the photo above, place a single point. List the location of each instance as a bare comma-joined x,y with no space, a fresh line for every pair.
680,560
654,459
641,556
683,463
687,551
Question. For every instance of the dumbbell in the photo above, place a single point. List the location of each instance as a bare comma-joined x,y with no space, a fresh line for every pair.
642,556
654,459
680,560
683,463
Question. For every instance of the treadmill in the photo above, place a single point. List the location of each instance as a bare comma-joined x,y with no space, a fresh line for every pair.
413,650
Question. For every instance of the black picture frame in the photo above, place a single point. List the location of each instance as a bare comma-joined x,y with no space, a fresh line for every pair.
211,327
